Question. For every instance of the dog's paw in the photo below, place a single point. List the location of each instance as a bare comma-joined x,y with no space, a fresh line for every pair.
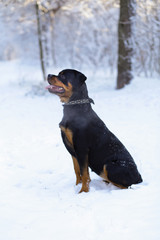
84,189
78,180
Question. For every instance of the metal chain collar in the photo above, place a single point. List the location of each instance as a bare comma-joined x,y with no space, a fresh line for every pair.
81,101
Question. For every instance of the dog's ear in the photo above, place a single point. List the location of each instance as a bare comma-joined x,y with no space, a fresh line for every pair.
82,78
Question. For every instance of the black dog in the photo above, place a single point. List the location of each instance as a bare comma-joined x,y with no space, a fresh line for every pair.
86,137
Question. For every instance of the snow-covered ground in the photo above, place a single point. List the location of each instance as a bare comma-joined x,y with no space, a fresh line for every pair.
38,196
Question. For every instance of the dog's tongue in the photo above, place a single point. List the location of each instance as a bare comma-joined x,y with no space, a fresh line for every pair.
48,87
54,89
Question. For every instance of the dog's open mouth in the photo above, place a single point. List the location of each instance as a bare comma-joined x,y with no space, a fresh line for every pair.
55,89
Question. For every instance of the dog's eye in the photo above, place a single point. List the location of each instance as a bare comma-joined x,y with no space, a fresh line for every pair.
62,76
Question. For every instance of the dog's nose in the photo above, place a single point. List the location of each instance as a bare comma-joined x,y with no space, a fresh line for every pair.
49,76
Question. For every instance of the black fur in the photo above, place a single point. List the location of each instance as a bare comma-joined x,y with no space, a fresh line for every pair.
93,139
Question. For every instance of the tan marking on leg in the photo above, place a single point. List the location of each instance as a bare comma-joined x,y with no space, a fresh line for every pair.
69,136
77,170
104,175
85,179
119,186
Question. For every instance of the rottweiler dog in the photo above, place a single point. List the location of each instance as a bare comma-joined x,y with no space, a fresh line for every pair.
86,137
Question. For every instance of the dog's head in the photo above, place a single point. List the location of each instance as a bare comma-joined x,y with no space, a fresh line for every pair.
65,83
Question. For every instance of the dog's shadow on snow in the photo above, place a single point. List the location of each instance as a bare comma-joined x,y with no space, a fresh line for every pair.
101,185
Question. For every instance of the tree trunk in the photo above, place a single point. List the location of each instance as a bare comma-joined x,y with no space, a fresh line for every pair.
125,48
40,41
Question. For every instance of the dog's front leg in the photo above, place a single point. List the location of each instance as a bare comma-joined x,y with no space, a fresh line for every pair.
85,178
77,170
81,176
81,148
82,171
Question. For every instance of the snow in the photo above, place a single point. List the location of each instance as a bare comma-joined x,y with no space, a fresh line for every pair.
38,196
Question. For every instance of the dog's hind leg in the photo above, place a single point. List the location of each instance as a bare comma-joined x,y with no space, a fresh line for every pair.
104,175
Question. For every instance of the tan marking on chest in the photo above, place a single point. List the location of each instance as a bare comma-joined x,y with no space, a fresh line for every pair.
67,94
68,133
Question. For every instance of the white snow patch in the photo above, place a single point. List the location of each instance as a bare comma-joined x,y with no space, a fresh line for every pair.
38,196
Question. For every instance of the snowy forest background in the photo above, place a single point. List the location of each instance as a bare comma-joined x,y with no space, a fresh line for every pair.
79,34
38,195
